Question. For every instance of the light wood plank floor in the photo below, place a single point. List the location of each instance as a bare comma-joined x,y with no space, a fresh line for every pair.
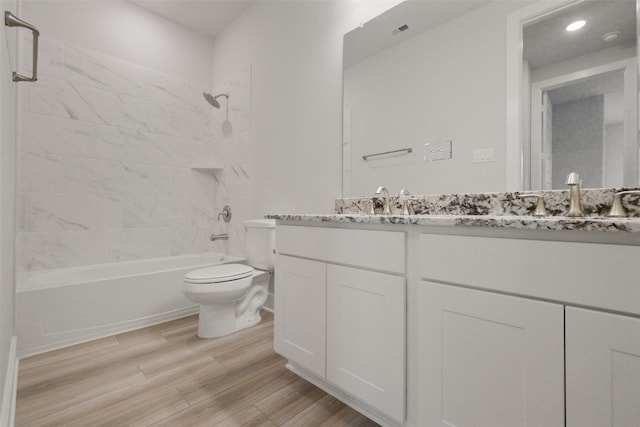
164,375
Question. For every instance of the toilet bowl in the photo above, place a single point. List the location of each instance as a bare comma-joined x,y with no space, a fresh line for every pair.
231,295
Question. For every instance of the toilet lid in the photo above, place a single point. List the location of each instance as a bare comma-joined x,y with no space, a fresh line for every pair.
219,273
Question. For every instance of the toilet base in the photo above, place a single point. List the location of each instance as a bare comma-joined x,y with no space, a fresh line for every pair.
216,320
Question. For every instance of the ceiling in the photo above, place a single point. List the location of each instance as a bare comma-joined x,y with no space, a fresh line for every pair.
418,16
546,41
209,17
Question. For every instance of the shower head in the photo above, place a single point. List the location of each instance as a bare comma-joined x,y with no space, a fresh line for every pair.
213,100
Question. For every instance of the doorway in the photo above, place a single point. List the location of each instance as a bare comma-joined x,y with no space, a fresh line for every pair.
583,122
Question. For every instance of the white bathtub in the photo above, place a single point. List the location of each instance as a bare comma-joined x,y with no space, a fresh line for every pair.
57,308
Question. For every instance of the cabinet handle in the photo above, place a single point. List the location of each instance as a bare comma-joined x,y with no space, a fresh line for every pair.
10,20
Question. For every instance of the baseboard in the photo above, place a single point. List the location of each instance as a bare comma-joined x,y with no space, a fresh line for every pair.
10,389
69,338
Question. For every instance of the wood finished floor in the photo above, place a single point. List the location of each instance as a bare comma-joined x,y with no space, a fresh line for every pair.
164,375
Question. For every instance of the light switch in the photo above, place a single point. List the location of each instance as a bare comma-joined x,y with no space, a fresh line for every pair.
437,151
483,155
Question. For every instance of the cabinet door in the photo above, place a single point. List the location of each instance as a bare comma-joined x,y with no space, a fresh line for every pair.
488,360
366,336
603,369
300,312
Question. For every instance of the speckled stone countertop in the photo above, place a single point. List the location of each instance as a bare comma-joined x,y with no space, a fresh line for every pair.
489,210
488,221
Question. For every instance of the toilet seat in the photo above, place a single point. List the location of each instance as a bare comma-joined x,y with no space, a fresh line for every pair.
219,273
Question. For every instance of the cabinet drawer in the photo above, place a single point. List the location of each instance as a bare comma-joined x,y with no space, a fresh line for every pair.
597,275
379,250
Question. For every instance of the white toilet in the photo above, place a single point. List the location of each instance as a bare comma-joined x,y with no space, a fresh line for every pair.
231,295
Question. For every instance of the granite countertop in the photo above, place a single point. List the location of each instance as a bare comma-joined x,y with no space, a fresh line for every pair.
489,210
631,225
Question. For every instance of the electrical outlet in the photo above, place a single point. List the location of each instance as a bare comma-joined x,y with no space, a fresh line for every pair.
437,151
482,155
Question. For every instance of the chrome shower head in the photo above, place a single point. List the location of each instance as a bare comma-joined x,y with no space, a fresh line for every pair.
213,100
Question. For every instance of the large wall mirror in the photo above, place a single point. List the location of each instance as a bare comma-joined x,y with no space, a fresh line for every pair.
579,86
427,77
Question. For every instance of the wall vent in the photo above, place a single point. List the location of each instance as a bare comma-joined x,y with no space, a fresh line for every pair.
400,29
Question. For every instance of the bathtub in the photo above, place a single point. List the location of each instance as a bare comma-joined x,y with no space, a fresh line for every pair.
57,308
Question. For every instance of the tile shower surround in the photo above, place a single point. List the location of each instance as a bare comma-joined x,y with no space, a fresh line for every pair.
105,162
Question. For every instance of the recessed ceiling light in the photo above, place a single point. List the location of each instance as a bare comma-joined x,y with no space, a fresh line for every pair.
574,26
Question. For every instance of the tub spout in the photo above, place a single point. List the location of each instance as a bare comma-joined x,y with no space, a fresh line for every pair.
215,237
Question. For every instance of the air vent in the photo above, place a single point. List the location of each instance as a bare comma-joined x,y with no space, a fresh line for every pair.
400,29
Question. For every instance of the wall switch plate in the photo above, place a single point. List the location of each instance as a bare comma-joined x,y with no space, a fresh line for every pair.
482,155
437,151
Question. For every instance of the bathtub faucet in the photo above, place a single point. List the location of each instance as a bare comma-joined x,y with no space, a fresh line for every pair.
215,237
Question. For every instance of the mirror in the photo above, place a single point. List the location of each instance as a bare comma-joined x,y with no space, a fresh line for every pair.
579,89
428,78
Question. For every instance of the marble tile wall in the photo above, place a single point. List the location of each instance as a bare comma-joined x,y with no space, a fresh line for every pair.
105,162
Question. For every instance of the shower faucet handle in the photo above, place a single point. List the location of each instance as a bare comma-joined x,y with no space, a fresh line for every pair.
225,214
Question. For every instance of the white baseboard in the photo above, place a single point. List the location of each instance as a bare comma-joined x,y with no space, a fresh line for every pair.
10,389
78,336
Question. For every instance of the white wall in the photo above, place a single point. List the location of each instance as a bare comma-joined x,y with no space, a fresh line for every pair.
295,52
125,31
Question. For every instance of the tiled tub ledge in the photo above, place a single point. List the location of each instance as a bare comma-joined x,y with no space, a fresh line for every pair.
631,225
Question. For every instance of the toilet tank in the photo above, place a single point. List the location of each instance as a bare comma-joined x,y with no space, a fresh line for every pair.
260,243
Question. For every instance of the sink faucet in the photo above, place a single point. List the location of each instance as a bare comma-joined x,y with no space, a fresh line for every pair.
575,207
406,200
385,193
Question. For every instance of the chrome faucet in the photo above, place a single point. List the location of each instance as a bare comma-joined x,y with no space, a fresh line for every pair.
386,209
617,208
225,214
575,206
407,202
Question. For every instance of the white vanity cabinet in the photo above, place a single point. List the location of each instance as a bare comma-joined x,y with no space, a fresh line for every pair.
340,314
603,369
488,359
301,304
491,359
365,336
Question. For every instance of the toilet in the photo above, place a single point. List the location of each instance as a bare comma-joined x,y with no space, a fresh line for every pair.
231,295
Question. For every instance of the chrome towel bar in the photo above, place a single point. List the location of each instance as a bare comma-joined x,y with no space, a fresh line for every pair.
408,150
10,20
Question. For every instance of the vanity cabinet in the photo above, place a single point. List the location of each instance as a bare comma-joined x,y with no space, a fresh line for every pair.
491,359
340,314
300,304
365,336
488,359
603,369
